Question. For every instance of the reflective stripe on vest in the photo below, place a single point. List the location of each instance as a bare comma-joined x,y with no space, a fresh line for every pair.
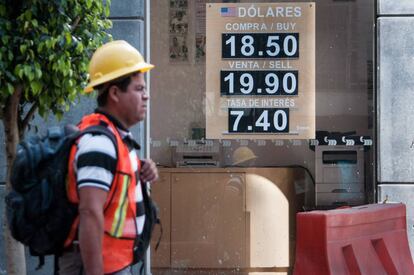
121,211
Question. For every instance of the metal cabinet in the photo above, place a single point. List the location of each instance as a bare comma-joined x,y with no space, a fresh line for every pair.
203,217
234,219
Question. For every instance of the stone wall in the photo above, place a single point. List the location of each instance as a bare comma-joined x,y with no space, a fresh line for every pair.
128,24
395,101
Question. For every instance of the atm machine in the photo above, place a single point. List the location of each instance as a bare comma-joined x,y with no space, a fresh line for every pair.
339,176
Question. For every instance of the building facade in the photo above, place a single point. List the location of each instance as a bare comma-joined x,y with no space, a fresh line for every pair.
228,204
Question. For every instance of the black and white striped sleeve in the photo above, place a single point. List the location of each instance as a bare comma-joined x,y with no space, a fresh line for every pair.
95,161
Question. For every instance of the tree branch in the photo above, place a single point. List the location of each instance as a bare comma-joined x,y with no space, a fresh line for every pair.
2,110
15,258
75,23
11,112
28,117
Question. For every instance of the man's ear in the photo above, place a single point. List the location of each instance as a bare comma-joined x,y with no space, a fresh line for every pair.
113,92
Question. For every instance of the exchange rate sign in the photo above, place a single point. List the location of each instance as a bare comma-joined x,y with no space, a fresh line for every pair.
260,45
260,71
259,120
259,83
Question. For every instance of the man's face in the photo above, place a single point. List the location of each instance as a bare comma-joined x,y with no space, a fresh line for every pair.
132,104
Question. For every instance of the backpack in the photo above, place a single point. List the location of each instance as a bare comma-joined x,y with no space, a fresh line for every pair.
38,211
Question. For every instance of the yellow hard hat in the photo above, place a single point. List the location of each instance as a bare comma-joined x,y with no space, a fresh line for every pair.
113,60
242,154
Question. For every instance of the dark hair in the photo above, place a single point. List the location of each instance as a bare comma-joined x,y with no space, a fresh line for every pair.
122,83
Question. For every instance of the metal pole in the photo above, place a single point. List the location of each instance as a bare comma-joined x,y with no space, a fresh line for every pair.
147,19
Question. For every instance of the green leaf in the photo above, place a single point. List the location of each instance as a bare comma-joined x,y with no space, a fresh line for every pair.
28,72
42,110
107,8
36,87
59,115
38,73
28,15
40,47
2,10
62,67
26,93
55,55
30,54
10,88
23,49
19,71
5,39
53,42
43,29
68,37
88,4
35,23
67,27
79,48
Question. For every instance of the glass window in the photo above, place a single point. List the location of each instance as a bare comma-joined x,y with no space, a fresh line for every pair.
228,205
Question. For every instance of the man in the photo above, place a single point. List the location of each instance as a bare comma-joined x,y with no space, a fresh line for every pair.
105,177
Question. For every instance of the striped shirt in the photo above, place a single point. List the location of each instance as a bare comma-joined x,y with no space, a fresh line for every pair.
96,160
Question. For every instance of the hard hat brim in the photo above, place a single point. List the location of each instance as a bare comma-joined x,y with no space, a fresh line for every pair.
142,67
244,159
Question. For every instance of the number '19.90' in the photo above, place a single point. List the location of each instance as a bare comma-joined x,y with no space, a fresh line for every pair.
270,83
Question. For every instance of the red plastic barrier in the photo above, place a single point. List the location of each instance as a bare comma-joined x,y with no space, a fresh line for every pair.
368,239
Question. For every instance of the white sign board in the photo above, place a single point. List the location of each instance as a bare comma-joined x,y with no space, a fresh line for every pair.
260,65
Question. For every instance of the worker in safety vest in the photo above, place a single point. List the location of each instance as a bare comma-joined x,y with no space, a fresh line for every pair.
105,177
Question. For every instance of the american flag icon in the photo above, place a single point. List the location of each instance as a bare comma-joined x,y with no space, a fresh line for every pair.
228,11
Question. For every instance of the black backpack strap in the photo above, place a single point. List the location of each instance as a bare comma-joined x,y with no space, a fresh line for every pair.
142,268
55,264
41,262
149,203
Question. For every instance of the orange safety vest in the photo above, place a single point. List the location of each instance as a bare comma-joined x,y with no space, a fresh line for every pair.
120,229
